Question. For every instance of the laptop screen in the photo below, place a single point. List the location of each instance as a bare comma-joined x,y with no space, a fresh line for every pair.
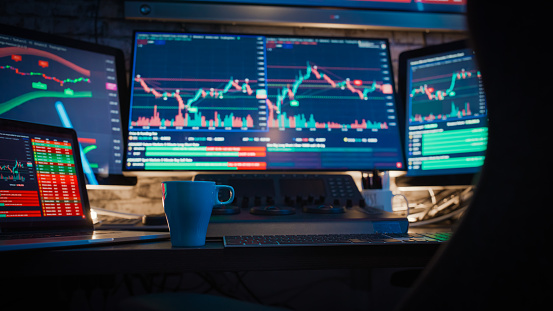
41,180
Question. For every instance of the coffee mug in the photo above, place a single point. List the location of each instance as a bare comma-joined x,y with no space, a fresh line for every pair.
382,199
188,206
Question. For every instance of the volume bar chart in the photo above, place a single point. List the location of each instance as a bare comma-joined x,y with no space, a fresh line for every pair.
455,112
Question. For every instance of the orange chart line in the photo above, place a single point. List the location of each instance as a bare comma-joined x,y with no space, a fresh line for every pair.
30,51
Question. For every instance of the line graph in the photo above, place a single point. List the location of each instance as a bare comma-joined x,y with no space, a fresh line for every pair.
16,52
46,77
225,91
30,84
19,100
433,94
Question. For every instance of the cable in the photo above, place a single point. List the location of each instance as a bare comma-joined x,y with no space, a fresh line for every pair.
438,219
213,283
452,202
246,287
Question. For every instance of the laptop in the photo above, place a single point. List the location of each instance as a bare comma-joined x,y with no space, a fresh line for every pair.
43,196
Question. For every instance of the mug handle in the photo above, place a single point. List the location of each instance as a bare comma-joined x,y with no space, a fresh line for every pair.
218,188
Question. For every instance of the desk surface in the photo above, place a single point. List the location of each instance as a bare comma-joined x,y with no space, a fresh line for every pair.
161,257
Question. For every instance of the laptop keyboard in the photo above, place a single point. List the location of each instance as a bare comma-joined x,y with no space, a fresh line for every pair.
335,239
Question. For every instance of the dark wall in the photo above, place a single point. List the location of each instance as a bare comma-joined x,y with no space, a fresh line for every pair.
103,21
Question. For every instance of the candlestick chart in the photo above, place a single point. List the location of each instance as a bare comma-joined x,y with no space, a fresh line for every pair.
16,166
450,91
328,86
174,91
12,171
189,115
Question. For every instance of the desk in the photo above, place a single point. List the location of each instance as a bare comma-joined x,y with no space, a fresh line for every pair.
161,257
352,277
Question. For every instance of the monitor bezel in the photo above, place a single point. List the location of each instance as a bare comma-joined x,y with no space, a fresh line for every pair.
168,172
112,179
428,180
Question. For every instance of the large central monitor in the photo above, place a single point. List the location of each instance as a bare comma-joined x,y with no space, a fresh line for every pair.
256,102
68,83
446,120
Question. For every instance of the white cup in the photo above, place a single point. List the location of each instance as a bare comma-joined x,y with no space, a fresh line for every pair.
382,199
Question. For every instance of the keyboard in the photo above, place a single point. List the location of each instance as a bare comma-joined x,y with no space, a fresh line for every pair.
335,239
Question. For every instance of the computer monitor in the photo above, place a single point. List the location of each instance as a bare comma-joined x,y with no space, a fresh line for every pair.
69,83
257,102
446,124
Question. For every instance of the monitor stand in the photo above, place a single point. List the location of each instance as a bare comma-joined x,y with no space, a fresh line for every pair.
225,210
274,204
